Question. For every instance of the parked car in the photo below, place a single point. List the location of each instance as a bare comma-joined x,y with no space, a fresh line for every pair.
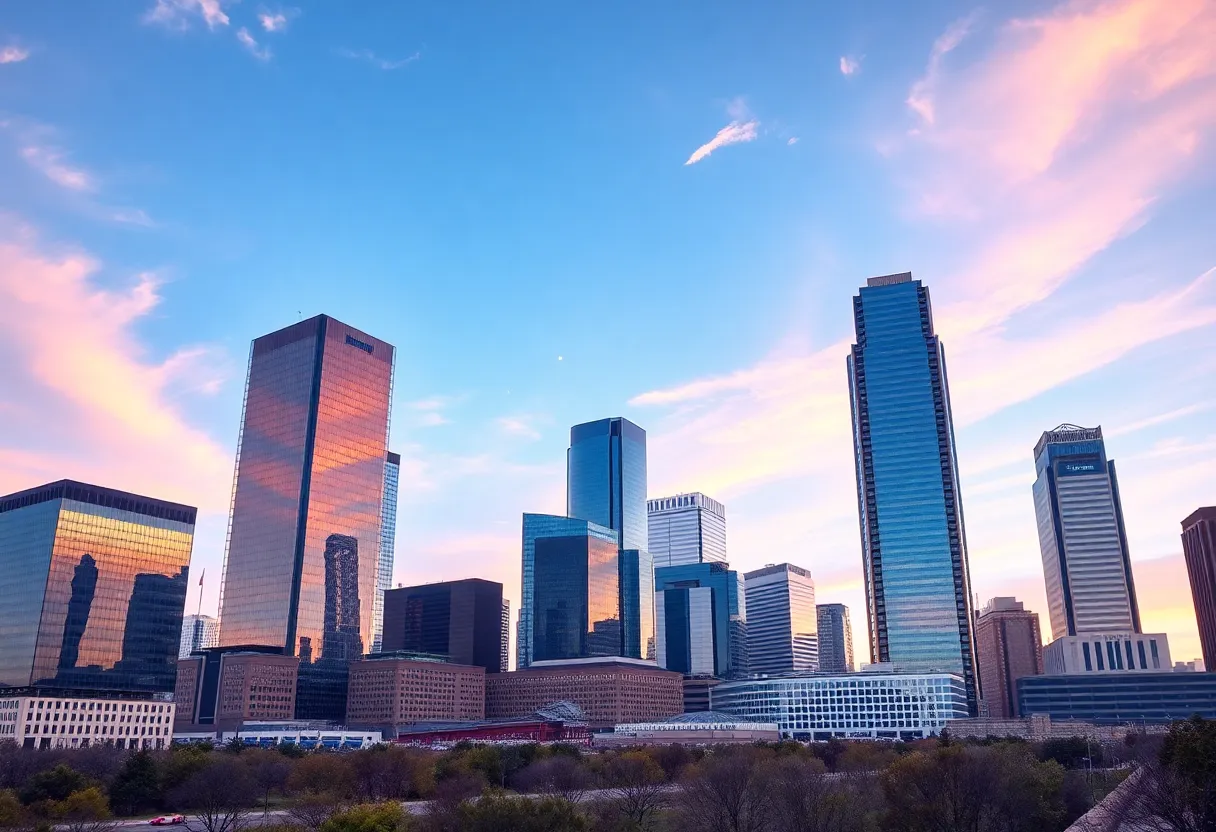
167,820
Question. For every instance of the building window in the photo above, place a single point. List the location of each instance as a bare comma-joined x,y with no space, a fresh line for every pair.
1152,646
1140,647
1098,655
1085,650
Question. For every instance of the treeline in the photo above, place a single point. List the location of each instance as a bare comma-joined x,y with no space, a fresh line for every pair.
932,785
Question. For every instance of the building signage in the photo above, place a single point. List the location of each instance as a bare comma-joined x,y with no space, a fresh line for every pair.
1078,468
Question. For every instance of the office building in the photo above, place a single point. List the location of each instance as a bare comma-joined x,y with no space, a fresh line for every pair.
504,655
1086,564
835,638
1008,647
700,617
702,728
606,485
224,687
398,690
1132,699
304,540
198,633
1199,547
388,537
1108,653
609,691
459,620
92,588
574,552
914,546
782,624
47,718
686,529
874,704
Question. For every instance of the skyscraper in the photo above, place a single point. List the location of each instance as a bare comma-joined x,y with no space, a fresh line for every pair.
1199,547
461,620
504,657
199,632
686,528
700,620
835,638
606,485
914,546
1008,647
388,536
782,625
92,587
571,590
305,531
1086,564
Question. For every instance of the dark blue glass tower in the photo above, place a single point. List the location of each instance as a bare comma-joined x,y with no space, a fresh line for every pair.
700,620
914,548
606,485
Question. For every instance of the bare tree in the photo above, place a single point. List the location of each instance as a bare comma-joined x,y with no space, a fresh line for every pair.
637,790
311,810
804,798
725,793
218,796
559,775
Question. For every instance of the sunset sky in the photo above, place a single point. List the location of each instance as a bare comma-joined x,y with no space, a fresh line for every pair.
560,212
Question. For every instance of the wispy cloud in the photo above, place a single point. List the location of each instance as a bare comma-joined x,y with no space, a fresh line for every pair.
13,54
849,65
375,60
131,216
176,14
247,40
792,140
519,426
49,161
276,21
920,97
733,133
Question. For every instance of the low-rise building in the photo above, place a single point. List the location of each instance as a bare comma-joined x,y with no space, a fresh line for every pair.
610,691
399,689
1108,653
306,735
1120,698
704,728
876,703
35,717
1041,727
223,687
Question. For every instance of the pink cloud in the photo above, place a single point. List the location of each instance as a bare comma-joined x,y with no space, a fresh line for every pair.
13,54
175,14
849,66
733,133
49,161
82,399
276,21
247,40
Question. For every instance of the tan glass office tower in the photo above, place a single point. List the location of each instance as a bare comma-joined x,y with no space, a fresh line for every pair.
304,538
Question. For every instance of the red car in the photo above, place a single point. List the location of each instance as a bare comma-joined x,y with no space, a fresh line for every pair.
167,820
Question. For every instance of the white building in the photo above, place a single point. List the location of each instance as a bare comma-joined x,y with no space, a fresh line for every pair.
1086,565
1108,653
686,528
874,704
782,621
199,632
304,734
388,537
39,718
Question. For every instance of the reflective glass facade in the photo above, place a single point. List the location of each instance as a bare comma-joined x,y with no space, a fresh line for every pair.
1199,548
1119,699
388,537
701,620
782,622
606,485
304,537
914,547
92,588
835,639
686,528
1086,564
460,620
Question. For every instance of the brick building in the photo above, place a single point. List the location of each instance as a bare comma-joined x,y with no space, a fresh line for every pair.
399,690
224,687
1199,547
610,691
1008,647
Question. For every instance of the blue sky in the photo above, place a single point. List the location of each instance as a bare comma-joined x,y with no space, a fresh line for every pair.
505,194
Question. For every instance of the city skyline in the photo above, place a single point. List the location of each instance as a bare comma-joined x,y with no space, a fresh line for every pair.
145,241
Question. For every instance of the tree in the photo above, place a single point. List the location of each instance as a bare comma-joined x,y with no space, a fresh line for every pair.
323,774
636,789
369,817
559,775
138,785
312,810
1176,789
497,813
390,771
12,813
725,793
55,784
270,771
803,798
219,795
87,810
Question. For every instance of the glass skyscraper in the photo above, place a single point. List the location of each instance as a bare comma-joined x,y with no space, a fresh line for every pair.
606,485
835,639
914,548
304,539
782,624
388,536
1086,564
460,620
686,528
92,588
700,620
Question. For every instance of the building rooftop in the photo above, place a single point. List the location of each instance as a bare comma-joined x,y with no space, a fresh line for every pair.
99,496
551,664
1067,433
890,279
1206,513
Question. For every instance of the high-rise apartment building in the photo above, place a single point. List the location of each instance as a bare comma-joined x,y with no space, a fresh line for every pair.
914,546
388,536
606,485
782,624
700,616
1086,564
459,620
199,632
304,540
686,528
835,638
1199,547
1008,647
504,656
92,588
